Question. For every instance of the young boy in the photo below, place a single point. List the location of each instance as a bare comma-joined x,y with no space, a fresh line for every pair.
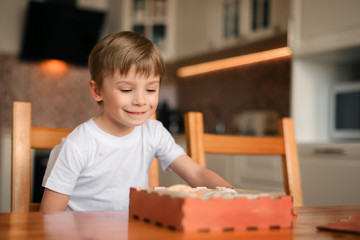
94,167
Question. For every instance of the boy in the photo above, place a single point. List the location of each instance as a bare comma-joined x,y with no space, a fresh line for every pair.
94,167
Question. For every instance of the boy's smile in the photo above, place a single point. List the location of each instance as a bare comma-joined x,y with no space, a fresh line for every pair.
128,101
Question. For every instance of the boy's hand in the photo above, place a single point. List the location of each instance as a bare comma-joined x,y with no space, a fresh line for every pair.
196,175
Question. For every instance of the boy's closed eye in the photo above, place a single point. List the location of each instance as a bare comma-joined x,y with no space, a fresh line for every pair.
125,90
129,90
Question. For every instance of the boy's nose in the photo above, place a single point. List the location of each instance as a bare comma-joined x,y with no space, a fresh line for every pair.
139,99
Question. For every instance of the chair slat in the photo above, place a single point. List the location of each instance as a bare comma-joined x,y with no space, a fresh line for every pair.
154,169
47,138
224,144
34,207
21,158
291,166
194,134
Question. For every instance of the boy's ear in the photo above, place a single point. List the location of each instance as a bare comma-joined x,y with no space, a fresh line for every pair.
95,91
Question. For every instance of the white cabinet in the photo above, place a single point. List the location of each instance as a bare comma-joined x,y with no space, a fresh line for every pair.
243,21
323,25
330,173
194,27
249,172
153,18
186,28
179,28
211,25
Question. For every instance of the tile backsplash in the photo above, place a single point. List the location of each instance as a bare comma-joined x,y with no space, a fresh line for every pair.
222,95
57,101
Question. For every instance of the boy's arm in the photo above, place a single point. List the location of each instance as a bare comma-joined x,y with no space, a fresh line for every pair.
196,175
53,201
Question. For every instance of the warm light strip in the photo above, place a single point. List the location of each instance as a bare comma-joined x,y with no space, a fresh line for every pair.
233,62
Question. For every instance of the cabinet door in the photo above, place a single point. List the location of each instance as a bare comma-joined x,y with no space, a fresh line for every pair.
211,25
250,20
154,19
263,173
258,173
196,23
323,25
330,173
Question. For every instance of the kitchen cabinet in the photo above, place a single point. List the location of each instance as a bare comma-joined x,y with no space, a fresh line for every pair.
330,173
212,25
258,172
154,19
323,26
186,28
179,28
243,21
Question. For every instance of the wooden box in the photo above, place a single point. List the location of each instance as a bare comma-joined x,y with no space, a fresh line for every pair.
189,214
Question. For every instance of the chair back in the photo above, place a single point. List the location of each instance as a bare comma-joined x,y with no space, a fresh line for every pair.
154,169
26,137
200,143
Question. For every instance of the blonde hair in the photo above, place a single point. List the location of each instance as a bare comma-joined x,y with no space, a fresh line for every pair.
121,51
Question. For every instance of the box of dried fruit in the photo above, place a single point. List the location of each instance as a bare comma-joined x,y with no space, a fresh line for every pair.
187,209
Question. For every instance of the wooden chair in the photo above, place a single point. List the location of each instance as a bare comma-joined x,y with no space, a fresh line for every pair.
199,143
26,137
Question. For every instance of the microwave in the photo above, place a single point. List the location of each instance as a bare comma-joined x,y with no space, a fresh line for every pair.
345,111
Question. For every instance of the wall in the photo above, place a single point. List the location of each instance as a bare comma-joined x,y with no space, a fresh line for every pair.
11,22
57,100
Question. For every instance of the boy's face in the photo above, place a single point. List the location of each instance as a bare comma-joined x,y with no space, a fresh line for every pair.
128,101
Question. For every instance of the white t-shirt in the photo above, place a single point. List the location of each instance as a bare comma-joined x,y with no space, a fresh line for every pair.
97,169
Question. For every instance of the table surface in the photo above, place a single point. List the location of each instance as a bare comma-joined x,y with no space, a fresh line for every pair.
117,225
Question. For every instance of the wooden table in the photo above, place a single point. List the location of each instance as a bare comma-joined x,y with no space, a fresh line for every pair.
116,225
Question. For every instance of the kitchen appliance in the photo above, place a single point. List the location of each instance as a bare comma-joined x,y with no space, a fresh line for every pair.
345,110
60,31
